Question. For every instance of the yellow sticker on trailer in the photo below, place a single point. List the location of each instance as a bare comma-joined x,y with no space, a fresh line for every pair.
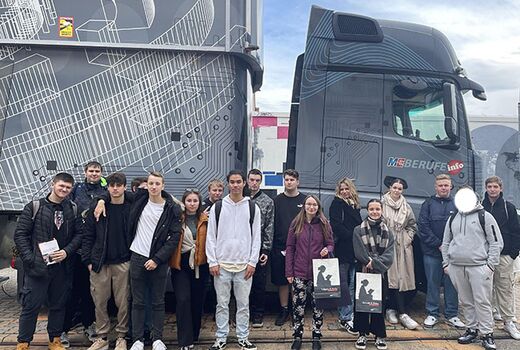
66,27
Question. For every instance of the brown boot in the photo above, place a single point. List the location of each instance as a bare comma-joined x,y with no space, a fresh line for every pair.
22,346
56,344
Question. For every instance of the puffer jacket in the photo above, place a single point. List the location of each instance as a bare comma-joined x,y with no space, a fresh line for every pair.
306,246
200,245
507,219
28,234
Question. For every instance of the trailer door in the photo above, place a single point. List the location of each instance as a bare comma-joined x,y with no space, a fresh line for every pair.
352,131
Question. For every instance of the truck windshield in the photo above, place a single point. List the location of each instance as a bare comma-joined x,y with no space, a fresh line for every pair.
418,111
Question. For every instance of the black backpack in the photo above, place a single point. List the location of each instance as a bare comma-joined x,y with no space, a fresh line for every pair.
218,209
481,219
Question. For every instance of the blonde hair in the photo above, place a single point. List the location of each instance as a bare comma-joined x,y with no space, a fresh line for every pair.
300,219
494,179
442,177
216,183
354,197
156,174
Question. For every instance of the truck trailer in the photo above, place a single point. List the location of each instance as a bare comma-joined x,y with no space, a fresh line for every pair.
137,85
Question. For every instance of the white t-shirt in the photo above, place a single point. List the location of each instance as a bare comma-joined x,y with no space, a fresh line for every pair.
142,242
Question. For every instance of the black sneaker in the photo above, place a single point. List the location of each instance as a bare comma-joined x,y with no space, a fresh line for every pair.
348,326
488,342
245,344
381,343
282,317
468,337
258,321
316,343
296,344
218,345
361,342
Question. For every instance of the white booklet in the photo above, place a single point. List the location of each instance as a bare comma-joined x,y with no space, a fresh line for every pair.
46,248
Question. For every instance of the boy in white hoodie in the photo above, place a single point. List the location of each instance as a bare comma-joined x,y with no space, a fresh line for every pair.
233,248
470,251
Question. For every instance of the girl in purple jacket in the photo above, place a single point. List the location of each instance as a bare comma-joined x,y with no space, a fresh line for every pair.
309,237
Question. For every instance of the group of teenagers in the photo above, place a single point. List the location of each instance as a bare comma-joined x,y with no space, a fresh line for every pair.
121,244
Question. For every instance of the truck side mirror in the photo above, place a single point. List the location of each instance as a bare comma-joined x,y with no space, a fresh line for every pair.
450,111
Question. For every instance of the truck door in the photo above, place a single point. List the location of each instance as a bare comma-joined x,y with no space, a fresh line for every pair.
352,132
417,145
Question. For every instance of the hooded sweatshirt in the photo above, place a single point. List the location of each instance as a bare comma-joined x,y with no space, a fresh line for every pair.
232,242
466,244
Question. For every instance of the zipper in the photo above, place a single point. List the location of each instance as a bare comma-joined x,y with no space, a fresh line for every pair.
494,232
105,238
309,267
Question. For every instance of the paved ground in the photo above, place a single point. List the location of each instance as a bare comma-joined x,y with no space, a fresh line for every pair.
272,337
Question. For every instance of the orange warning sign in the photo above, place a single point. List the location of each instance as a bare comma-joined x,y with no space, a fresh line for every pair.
66,27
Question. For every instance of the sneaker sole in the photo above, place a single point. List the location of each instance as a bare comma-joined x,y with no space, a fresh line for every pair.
361,347
382,347
257,325
103,348
454,326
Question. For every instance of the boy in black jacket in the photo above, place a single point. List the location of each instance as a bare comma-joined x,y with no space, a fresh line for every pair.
106,253
47,280
154,228
504,213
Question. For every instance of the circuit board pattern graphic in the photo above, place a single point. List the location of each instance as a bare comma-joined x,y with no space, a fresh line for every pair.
132,110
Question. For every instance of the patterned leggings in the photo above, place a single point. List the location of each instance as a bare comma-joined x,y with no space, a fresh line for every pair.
300,288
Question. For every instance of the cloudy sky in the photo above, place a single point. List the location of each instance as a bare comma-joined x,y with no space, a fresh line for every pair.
485,35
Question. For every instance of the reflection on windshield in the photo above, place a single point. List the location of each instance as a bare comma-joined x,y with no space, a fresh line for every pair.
418,111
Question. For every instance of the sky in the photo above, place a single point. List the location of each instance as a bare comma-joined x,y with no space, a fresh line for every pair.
484,34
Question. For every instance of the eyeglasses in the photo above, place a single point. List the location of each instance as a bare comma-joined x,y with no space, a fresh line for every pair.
194,190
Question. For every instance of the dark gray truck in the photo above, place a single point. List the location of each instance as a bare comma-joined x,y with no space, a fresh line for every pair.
374,100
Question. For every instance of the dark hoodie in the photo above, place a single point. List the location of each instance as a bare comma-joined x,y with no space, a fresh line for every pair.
507,222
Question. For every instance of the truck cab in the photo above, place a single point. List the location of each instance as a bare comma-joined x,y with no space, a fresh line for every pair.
374,100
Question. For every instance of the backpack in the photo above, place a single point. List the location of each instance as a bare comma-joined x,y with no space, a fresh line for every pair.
218,209
481,219
36,207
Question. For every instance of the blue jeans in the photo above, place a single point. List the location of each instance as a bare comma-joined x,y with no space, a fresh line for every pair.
241,289
436,277
347,272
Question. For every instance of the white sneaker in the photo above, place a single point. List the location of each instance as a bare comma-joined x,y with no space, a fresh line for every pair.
391,316
456,322
510,328
65,340
138,345
90,332
430,321
408,322
158,345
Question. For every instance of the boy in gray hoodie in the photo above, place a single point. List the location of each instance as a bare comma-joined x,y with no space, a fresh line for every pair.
470,254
